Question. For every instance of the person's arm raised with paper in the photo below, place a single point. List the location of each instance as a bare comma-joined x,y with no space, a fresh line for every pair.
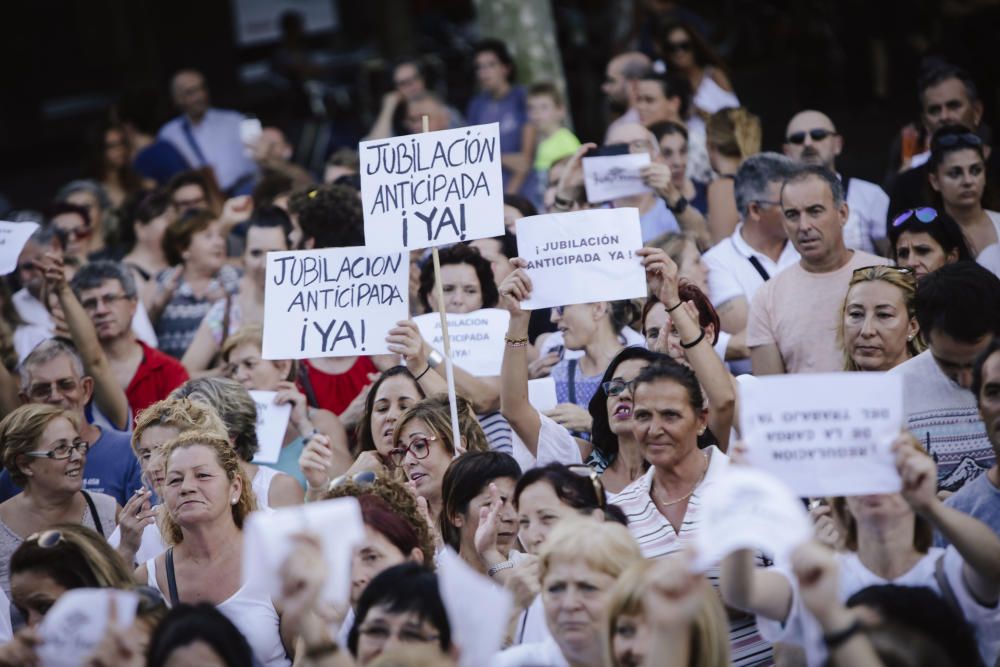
569,191
657,176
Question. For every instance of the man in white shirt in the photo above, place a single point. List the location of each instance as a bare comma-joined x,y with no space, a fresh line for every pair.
207,136
619,86
739,265
811,138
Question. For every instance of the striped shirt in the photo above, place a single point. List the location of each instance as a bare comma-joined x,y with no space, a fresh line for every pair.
657,538
498,432
185,311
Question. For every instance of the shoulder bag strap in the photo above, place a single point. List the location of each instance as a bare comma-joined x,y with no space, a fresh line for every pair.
571,378
93,513
171,578
760,268
307,385
192,142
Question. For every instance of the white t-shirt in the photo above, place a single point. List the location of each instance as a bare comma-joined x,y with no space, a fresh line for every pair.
540,654
261,484
555,445
868,206
151,543
730,273
802,628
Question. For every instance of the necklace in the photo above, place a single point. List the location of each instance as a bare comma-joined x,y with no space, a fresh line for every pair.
668,503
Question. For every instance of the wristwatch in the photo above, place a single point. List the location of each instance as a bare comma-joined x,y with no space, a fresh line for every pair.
435,359
679,207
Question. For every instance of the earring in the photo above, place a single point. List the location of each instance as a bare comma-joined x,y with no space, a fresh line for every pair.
701,431
910,337
235,500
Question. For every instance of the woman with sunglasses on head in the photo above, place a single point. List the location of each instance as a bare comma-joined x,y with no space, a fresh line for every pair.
878,327
45,455
208,497
956,173
923,240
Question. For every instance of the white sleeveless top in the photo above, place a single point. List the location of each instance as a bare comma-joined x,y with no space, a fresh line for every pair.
261,485
710,96
254,616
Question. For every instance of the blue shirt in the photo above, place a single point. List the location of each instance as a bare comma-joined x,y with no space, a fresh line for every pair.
159,161
288,460
511,111
214,142
111,469
980,500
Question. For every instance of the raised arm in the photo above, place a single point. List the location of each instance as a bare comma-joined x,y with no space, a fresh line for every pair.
755,590
514,405
657,176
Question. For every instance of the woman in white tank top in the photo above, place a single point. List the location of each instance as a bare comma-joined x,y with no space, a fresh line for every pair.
208,497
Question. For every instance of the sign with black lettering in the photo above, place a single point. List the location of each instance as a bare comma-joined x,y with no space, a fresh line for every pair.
476,338
824,434
432,189
333,302
610,177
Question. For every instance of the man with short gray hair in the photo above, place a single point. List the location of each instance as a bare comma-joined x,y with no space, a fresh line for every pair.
739,265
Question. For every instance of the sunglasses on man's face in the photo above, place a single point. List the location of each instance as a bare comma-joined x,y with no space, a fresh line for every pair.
924,214
816,134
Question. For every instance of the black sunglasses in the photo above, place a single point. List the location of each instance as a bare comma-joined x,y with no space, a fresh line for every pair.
951,140
364,479
816,134
924,214
674,47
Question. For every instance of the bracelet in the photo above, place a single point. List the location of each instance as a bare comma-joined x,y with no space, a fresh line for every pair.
679,206
505,565
516,342
672,309
329,647
835,639
701,337
423,373
434,359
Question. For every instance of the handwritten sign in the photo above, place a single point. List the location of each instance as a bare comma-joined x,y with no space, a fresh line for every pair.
613,176
746,508
76,624
824,434
432,189
334,302
272,421
13,236
582,257
476,338
267,542
477,609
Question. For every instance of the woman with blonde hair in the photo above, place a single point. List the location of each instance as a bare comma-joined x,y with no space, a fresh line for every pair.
732,134
694,634
578,566
878,326
208,497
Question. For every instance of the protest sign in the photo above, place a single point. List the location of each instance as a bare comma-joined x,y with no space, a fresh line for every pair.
542,393
334,302
582,257
76,623
13,236
746,508
267,542
477,609
476,338
824,434
612,176
272,421
432,189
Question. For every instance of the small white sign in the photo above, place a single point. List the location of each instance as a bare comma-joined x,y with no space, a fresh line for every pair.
272,422
13,236
824,434
542,393
432,189
76,623
267,542
477,609
333,302
476,338
611,177
582,257
749,509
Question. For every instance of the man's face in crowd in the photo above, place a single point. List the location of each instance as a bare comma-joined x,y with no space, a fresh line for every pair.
190,94
638,138
955,357
812,222
415,112
190,197
653,106
804,140
615,85
109,308
29,271
989,399
948,103
769,211
408,81
56,382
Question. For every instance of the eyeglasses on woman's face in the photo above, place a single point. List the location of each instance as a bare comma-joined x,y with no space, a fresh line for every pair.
420,447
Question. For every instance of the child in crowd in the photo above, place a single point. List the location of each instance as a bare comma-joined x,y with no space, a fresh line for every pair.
547,113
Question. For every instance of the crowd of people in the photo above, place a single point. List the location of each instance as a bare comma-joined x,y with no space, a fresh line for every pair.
132,336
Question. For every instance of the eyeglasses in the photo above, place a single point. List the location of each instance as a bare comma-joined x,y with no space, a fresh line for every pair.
586,471
77,233
42,390
674,47
420,448
615,387
365,478
62,451
924,214
816,134
107,300
47,538
966,139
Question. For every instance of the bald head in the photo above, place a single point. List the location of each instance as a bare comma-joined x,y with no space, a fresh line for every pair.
811,138
636,136
189,93
430,105
622,71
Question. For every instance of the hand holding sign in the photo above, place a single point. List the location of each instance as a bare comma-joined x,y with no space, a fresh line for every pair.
917,471
614,176
476,339
661,275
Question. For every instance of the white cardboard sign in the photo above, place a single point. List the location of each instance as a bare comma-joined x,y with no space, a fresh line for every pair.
611,177
13,236
476,338
432,189
267,542
76,624
477,609
333,302
272,422
582,257
747,508
824,434
542,393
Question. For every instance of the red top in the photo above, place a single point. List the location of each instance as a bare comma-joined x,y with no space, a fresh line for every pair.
158,375
335,392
